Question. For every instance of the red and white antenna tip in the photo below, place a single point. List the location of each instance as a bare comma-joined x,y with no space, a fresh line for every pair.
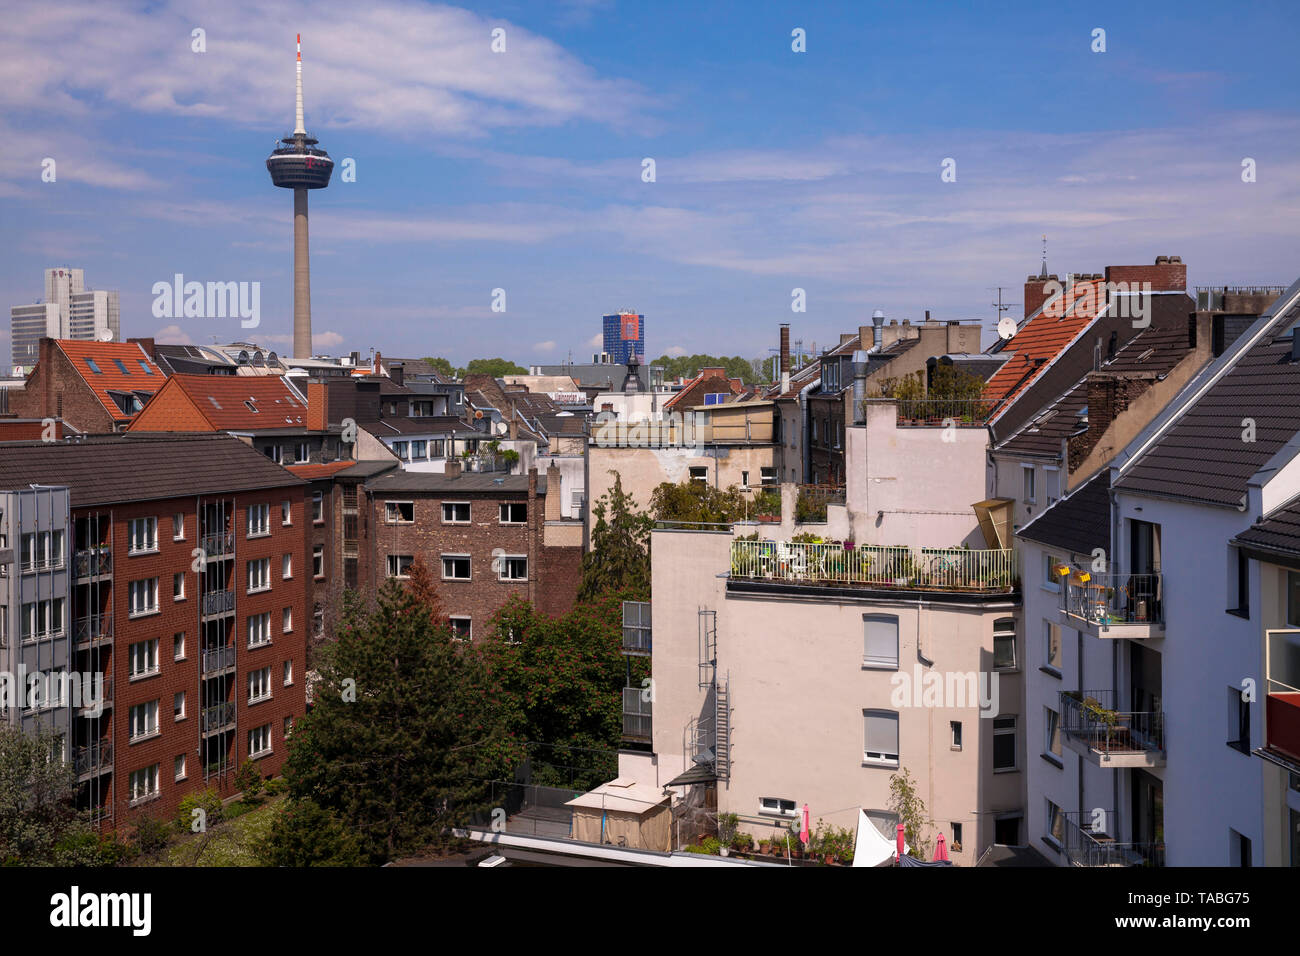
299,46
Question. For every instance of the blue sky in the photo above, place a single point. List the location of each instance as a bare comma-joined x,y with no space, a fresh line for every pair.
521,170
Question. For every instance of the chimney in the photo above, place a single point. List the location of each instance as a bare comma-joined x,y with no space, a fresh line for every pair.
397,373
378,363
1036,292
878,321
317,406
553,492
927,316
785,349
148,345
532,484
859,386
1169,274
452,468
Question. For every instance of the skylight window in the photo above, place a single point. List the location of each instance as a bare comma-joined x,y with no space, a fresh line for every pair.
251,407
121,366
90,362
145,365
215,403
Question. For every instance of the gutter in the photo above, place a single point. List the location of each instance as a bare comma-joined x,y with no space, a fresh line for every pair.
803,426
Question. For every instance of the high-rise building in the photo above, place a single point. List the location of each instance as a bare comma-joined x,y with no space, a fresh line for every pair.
68,311
624,336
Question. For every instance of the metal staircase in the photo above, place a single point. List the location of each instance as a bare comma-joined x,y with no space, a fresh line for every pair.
722,728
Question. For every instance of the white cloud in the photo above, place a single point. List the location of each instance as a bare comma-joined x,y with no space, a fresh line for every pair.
173,335
319,340
673,351
547,346
596,341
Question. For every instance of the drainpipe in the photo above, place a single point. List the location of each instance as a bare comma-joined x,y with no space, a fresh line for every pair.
803,425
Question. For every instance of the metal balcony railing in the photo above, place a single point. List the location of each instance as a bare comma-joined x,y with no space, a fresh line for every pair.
636,714
1088,845
1088,716
218,543
93,562
936,412
92,629
1115,598
218,717
943,569
218,602
218,659
93,759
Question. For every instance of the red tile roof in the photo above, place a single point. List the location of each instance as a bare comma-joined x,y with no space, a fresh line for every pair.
141,372
1044,337
223,403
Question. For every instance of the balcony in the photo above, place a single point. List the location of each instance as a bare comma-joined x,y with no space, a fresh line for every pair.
218,602
105,702
636,628
218,718
92,760
1111,738
93,563
93,630
636,714
218,544
1115,605
1089,845
873,566
1282,706
218,660
937,412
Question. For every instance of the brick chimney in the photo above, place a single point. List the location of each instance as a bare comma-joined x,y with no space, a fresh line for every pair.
318,400
1169,274
1036,292
150,349
452,468
397,373
553,492
785,349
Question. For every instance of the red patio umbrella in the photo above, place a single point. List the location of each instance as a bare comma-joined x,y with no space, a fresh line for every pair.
941,849
899,854
803,827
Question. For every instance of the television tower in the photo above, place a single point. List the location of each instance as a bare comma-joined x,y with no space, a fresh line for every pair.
296,163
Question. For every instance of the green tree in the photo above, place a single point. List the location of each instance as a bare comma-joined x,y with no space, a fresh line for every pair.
496,367
907,803
306,834
619,559
404,732
37,800
688,366
445,368
698,501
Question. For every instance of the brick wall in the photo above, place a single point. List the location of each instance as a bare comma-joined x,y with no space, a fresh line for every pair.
1036,292
56,390
1109,396
1168,274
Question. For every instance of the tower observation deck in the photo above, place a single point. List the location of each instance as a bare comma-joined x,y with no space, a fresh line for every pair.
297,163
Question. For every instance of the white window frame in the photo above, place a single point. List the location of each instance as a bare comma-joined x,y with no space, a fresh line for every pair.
442,565
178,648
394,566
147,590
870,662
1050,628
1012,731
262,629
1052,484
1015,648
1051,720
286,567
1028,483
261,735
318,507
456,634
178,715
144,784
505,508
178,768
456,504
318,567
146,655
178,526
286,514
142,531
259,680
259,521
393,514
145,713
178,586
774,807
259,575
286,621
504,565
881,758
288,673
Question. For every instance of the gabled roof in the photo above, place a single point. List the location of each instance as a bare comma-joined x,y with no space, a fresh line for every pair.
110,469
1045,336
1277,532
224,403
708,382
324,470
800,379
1201,454
1079,522
114,367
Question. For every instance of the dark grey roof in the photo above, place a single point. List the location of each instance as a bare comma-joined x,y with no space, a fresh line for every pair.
1202,456
427,425
563,424
111,469
1079,522
366,469
432,482
1043,433
1278,531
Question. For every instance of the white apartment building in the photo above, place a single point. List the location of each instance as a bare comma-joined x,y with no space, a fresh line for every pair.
68,311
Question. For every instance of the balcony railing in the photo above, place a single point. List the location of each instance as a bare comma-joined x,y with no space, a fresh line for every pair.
218,543
218,717
938,412
1282,706
93,759
1089,845
93,629
636,714
218,602
1087,716
944,569
92,562
218,659
1106,599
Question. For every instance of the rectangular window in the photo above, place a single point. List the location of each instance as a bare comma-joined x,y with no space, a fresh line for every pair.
143,597
955,727
286,620
259,520
1238,720
259,685
418,450
178,646
178,705
318,507
178,527
318,561
259,741
288,673
402,450
461,628
956,836
1004,743
286,567
144,783
1052,732
1052,480
777,807
399,512
142,535
1052,646
768,476
514,512
179,768
881,641
144,720
455,567
700,474
303,452
1055,824
1004,644
437,448
275,453
259,629
513,567
1293,599
259,575
399,565
881,733
1051,580
455,512
178,586
286,513
1028,474
142,658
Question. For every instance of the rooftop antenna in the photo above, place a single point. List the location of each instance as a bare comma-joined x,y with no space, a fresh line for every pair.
1042,273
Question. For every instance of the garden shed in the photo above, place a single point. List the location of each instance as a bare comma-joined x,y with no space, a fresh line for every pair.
624,813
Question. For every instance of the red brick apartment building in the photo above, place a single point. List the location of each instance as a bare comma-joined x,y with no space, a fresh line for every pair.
485,537
93,386
190,579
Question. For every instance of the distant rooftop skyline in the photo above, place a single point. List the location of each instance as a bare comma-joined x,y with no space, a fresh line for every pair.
519,179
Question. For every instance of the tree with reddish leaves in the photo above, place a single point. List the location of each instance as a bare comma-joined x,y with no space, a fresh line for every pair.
421,586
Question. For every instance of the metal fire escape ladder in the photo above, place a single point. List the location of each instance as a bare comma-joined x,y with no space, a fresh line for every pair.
722,728
708,630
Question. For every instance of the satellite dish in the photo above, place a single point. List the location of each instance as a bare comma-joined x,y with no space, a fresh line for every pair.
501,428
105,335
1006,327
